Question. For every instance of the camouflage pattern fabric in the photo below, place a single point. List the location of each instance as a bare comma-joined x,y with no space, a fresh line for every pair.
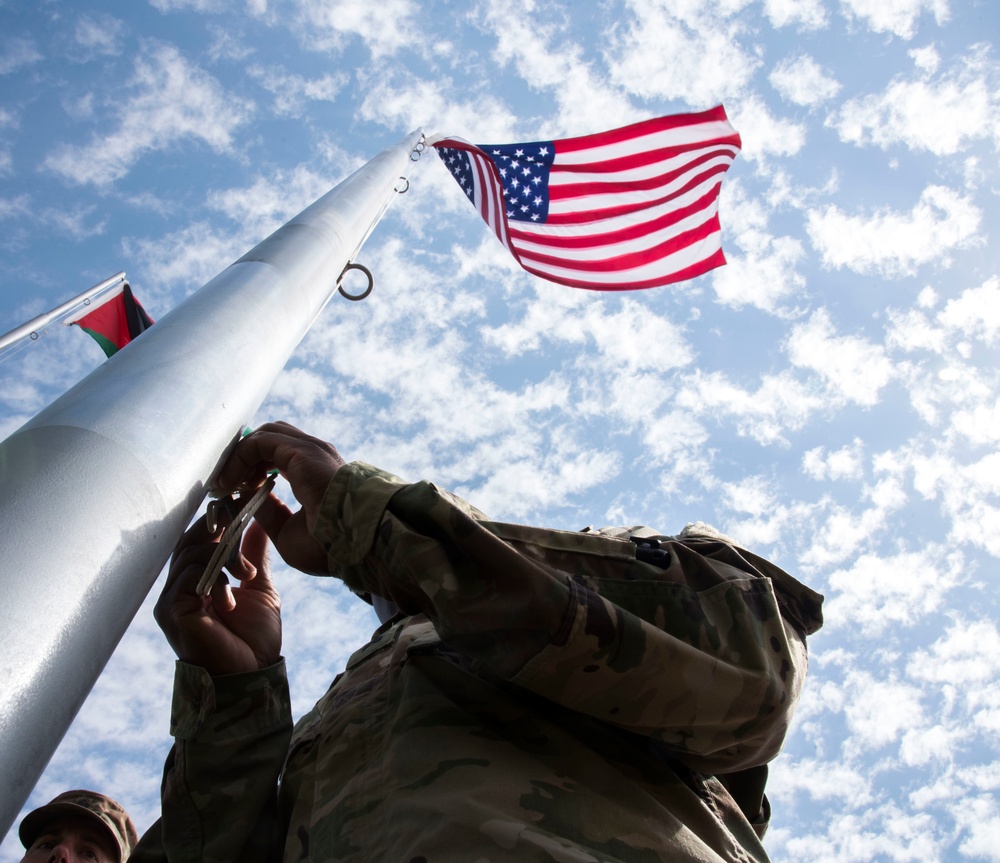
543,696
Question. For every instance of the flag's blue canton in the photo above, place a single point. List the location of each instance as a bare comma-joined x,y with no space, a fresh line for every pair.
457,161
524,171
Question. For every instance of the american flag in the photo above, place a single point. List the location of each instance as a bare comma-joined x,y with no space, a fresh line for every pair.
632,208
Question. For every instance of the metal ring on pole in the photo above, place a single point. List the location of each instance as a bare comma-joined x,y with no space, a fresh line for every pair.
371,281
405,188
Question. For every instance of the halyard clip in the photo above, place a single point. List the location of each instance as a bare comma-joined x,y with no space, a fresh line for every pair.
240,510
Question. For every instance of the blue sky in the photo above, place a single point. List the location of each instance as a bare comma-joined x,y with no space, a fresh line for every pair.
829,397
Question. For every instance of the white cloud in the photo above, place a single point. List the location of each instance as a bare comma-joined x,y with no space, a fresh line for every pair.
543,56
385,27
820,780
172,100
896,16
293,92
976,313
965,656
764,277
267,203
940,116
77,221
781,403
760,516
913,330
926,59
228,44
803,81
845,530
891,243
852,367
193,5
981,818
763,134
808,14
875,594
650,342
187,258
685,51
17,51
434,106
99,35
879,711
845,463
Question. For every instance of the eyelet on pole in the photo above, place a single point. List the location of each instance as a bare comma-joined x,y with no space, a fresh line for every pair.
355,297
405,188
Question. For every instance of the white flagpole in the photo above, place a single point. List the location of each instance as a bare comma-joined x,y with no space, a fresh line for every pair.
32,327
96,489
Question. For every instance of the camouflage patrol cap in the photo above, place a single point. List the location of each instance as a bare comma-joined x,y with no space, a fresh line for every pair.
100,809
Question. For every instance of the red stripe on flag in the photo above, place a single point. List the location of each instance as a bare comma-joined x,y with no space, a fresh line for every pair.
716,259
582,216
727,144
632,259
621,235
639,184
644,127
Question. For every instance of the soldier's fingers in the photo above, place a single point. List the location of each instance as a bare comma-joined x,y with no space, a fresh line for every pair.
272,516
222,595
254,554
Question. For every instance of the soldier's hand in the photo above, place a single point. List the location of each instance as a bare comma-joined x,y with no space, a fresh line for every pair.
233,629
308,464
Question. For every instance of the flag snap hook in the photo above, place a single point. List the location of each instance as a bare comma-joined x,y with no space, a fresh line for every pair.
405,188
371,281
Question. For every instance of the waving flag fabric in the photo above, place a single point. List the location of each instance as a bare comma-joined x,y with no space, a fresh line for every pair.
632,208
113,320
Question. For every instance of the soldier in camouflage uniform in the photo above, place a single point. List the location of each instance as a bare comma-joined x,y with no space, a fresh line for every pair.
78,827
540,695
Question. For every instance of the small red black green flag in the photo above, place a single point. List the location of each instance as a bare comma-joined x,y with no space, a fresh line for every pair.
114,320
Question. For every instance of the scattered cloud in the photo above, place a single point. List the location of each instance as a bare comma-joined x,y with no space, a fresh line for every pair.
292,93
766,275
879,593
846,463
763,134
262,207
193,5
586,101
691,52
98,34
807,14
385,27
171,100
803,81
895,16
405,103
16,52
781,403
942,116
894,244
976,312
852,367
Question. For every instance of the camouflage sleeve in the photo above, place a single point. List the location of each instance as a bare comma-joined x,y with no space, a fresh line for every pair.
709,668
220,780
